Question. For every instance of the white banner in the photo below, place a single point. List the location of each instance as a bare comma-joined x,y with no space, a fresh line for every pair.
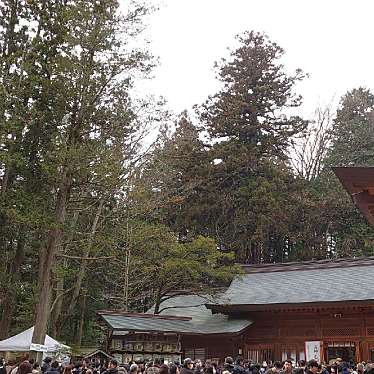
313,351
38,347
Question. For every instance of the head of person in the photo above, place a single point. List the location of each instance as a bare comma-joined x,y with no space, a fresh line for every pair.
164,369
301,364
67,369
24,368
198,364
360,368
277,366
229,360
48,360
239,361
134,369
287,365
174,369
313,366
55,365
339,361
113,364
188,363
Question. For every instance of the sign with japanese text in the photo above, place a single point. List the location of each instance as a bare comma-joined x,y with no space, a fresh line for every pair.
313,350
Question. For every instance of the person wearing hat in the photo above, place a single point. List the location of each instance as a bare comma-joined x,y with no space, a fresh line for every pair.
187,366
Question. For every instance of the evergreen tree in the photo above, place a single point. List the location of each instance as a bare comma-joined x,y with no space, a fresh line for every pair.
69,130
249,181
353,130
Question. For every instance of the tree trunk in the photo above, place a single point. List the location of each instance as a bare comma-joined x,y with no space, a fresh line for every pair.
81,321
126,283
56,310
157,302
48,259
10,298
84,265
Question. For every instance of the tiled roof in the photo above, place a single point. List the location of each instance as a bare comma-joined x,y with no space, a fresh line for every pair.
295,286
201,321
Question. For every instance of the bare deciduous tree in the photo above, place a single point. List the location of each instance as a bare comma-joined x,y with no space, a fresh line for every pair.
309,149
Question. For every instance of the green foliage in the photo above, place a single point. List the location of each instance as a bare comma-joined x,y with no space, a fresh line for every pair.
353,130
169,267
138,228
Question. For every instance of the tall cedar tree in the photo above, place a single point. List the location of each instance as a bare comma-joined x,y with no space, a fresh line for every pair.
247,192
71,63
172,175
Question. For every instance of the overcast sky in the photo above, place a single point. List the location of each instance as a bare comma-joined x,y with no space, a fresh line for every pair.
332,40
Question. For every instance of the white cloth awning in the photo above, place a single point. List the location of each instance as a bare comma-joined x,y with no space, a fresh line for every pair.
22,343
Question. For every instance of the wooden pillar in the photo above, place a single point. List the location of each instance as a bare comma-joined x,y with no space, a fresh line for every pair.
277,352
357,351
322,349
365,351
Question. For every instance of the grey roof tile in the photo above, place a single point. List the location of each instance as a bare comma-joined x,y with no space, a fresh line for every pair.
301,286
202,320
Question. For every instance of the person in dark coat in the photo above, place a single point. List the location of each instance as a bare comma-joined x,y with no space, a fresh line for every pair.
287,367
112,367
54,369
301,367
2,366
239,366
229,364
25,368
312,367
187,367
46,364
174,369
276,368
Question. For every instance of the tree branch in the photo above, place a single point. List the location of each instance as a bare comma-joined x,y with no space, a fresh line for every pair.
86,258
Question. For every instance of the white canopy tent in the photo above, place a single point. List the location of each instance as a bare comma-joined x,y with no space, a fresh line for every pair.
22,343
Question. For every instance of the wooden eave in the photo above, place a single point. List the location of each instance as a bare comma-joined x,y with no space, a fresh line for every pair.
359,183
179,333
293,307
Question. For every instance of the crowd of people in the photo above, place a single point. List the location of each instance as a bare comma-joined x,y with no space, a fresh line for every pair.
189,366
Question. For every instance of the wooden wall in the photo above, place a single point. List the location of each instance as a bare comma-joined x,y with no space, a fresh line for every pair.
288,330
215,347
277,334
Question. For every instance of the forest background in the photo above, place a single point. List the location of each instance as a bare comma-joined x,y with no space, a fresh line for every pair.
94,215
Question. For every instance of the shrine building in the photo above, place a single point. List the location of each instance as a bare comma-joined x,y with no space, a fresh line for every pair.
272,312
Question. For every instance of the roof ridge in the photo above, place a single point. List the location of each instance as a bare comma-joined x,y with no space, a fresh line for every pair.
142,315
309,265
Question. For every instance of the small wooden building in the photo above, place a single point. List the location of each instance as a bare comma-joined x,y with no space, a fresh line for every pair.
92,354
185,329
270,313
